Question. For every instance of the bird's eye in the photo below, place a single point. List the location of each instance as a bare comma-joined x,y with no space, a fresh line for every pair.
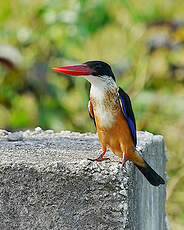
98,66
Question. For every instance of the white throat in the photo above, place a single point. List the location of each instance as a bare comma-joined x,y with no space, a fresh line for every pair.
103,103
100,84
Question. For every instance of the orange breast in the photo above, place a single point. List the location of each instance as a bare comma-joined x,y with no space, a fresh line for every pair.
117,137
112,128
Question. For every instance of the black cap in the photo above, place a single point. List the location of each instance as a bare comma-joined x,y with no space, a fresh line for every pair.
100,68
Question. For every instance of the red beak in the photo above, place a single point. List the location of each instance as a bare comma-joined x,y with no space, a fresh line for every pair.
75,70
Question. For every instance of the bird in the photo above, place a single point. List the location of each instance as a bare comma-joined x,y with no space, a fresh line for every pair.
111,110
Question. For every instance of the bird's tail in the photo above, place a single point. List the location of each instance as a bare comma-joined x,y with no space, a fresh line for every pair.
148,172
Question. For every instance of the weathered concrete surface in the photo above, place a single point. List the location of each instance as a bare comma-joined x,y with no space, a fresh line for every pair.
46,182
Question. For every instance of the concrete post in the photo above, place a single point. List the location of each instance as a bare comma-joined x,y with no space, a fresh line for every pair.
46,182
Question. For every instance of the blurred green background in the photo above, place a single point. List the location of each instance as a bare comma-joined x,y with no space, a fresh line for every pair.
142,40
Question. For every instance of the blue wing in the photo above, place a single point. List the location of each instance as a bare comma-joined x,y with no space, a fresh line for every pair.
128,113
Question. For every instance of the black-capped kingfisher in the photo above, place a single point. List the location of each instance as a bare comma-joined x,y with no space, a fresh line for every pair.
111,110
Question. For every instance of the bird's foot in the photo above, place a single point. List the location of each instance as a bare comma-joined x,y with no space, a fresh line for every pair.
99,159
123,168
123,161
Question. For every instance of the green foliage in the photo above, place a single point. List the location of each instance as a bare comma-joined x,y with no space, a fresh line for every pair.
142,40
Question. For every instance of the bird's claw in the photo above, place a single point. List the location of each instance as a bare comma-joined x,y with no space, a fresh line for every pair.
123,165
123,161
99,159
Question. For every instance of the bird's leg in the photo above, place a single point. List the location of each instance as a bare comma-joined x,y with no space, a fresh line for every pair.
100,158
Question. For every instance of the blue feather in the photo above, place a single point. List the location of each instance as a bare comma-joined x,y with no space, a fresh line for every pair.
128,113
